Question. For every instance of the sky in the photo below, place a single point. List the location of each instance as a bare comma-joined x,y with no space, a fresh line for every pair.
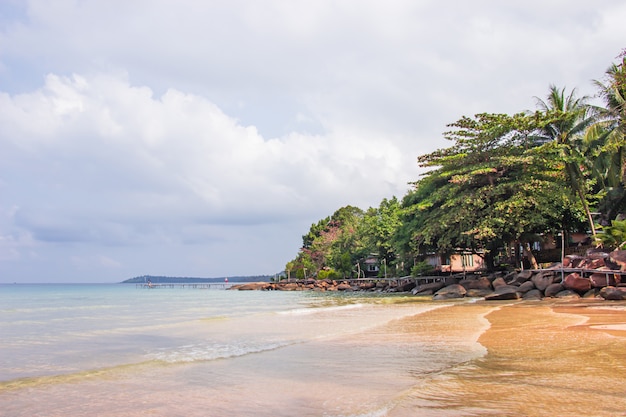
203,138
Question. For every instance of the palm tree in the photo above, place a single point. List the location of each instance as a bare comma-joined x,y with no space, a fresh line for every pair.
569,118
607,139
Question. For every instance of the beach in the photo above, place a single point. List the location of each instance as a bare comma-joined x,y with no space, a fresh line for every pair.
222,353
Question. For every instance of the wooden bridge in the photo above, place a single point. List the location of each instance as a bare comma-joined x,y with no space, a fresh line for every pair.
192,285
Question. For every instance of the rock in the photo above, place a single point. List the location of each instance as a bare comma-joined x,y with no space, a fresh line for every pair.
525,287
422,293
532,295
590,294
367,286
596,253
567,294
478,292
432,287
619,257
599,280
593,264
572,261
553,289
344,286
542,280
505,292
406,287
482,283
613,293
451,291
498,282
577,283
252,286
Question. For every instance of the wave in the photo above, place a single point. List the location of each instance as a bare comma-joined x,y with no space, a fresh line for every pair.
202,352
316,310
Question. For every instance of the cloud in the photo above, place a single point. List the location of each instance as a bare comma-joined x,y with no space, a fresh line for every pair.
150,133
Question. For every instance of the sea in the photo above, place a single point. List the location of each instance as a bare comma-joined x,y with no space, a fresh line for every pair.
130,350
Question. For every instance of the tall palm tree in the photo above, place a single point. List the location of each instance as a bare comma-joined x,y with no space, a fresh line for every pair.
607,138
569,118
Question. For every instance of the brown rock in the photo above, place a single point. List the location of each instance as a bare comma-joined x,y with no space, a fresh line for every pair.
577,283
525,287
599,280
619,257
498,282
553,289
505,292
567,294
542,280
432,287
451,291
613,293
478,292
532,295
481,283
253,286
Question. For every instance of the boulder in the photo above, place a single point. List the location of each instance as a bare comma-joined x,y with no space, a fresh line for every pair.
619,258
478,292
498,282
482,283
253,286
525,287
505,292
590,294
432,287
451,291
553,289
599,280
577,283
532,295
567,294
613,293
572,261
344,286
542,280
406,287
367,286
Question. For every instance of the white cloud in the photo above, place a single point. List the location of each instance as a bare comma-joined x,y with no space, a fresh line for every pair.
151,132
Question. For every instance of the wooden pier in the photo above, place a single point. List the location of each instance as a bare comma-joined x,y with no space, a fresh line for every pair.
193,285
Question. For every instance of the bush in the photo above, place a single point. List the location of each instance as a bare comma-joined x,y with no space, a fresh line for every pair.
422,268
328,274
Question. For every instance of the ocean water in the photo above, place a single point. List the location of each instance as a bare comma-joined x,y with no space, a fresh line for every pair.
122,350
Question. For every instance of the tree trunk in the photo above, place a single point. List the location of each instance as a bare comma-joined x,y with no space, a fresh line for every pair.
531,257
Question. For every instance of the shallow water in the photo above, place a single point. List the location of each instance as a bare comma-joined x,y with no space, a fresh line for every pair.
123,351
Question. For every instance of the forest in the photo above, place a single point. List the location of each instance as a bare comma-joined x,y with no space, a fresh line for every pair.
505,182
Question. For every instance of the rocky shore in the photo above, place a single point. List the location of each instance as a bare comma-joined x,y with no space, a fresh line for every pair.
598,274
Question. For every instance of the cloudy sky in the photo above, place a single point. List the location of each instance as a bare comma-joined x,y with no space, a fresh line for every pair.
203,138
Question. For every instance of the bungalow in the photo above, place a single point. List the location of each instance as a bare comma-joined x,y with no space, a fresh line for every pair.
462,261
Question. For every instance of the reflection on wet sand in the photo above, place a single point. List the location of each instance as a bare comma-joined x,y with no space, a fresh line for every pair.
542,360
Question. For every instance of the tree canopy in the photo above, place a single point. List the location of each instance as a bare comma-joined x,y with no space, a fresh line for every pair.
504,178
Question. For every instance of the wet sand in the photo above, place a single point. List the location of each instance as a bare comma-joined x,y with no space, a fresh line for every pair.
543,359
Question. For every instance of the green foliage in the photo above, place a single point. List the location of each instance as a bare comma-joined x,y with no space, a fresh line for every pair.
613,236
503,179
328,274
422,268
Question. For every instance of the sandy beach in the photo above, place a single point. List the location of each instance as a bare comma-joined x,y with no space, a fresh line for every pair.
256,354
543,359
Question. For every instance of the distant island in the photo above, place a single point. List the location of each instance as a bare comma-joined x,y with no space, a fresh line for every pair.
155,279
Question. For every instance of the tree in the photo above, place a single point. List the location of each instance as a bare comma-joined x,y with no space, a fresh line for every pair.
568,119
496,184
377,229
607,143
